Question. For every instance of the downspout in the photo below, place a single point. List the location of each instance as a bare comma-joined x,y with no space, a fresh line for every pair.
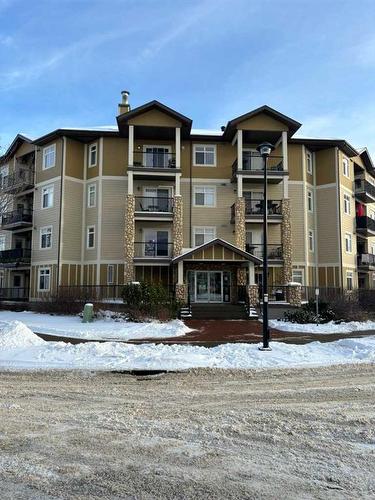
339,214
60,214
191,195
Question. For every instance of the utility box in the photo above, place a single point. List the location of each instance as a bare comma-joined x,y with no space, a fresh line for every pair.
88,313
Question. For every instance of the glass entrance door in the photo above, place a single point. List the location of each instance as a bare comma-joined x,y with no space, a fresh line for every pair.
209,286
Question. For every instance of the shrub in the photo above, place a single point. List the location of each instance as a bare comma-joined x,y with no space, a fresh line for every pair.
148,300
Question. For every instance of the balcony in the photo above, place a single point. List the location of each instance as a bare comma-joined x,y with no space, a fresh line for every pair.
14,293
366,260
156,165
274,251
252,169
153,250
21,180
18,219
364,191
153,208
254,211
365,225
15,257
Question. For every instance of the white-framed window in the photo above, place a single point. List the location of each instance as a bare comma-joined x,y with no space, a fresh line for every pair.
298,276
345,167
93,155
44,279
49,156
373,249
46,237
90,239
310,201
348,243
91,195
311,240
347,204
110,274
309,162
203,234
349,280
4,174
204,155
47,197
2,242
204,196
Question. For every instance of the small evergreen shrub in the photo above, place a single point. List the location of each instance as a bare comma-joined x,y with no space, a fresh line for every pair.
342,308
149,301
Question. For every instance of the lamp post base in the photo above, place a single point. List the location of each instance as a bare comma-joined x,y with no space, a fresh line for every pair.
261,348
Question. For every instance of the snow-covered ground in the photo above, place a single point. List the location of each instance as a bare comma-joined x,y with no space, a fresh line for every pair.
100,329
352,326
20,348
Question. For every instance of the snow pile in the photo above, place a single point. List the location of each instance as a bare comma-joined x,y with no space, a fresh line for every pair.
29,352
106,328
331,327
14,334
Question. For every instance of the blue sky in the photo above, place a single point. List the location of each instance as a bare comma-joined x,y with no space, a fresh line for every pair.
64,62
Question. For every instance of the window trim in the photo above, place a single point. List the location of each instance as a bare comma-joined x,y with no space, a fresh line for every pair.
310,192
87,237
311,169
3,238
200,187
302,271
40,237
88,195
347,196
351,243
44,268
204,164
53,195
111,266
197,228
91,146
312,248
53,146
351,275
345,160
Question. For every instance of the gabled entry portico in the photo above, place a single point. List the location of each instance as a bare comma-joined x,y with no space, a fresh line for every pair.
209,273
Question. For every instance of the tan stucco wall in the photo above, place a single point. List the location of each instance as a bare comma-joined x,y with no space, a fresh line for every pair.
262,122
154,118
74,161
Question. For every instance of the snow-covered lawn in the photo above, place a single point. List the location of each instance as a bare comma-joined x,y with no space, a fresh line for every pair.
20,348
352,326
100,329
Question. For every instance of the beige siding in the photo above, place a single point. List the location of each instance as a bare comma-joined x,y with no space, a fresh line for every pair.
328,245
297,217
72,221
113,220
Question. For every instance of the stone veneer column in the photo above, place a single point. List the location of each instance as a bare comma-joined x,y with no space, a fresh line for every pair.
177,225
240,235
294,294
286,241
129,239
181,293
253,294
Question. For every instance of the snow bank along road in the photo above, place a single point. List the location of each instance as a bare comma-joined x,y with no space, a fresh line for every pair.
293,434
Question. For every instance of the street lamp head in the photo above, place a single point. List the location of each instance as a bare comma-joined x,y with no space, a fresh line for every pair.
265,149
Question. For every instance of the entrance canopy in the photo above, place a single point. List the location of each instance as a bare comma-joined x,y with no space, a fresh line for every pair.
217,250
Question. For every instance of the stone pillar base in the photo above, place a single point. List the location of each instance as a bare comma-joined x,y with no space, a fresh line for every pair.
181,293
129,239
241,276
253,294
294,295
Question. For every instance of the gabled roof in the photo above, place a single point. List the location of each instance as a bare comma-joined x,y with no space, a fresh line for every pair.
124,117
293,125
16,143
316,144
80,134
220,242
366,158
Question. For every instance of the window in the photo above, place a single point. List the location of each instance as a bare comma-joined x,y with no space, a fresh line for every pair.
91,196
49,156
110,274
47,197
93,153
349,280
4,173
17,281
309,163
347,207
345,167
203,235
373,249
311,240
310,201
2,242
46,237
2,279
204,196
44,279
90,237
348,243
297,276
204,155
158,157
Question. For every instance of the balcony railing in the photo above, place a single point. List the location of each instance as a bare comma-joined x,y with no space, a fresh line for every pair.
153,204
364,190
17,217
366,259
21,179
14,293
256,207
15,256
253,163
273,251
153,249
153,159
365,223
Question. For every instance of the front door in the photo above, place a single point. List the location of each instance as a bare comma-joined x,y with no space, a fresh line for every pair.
209,286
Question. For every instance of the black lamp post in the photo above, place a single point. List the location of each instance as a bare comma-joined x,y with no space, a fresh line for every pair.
265,149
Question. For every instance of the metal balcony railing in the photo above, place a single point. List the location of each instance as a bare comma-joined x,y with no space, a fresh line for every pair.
154,159
15,293
256,207
274,251
153,204
365,223
20,180
19,217
15,256
366,259
253,163
153,249
361,186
